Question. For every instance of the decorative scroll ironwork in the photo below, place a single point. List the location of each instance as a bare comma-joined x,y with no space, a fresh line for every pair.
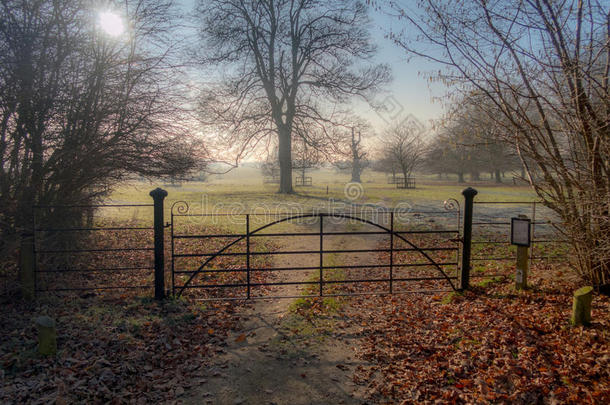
182,208
451,205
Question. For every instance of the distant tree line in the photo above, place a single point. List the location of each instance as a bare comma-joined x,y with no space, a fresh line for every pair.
469,143
463,144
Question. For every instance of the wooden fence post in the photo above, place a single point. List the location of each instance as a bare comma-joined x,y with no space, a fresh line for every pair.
47,336
581,307
27,267
522,268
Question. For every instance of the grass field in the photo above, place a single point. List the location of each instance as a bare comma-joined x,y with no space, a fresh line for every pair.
243,189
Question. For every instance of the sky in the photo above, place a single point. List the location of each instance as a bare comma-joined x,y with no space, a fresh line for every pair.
410,94
410,89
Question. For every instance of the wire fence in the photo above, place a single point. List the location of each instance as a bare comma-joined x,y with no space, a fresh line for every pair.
491,235
93,247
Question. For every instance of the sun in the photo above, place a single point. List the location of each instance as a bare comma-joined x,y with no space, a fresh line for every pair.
111,23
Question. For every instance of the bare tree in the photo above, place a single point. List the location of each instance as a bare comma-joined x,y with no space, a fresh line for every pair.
404,148
305,158
469,141
352,152
449,153
286,64
384,163
359,161
544,66
79,110
270,168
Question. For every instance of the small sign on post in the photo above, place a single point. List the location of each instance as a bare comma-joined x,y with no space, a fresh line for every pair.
520,231
520,236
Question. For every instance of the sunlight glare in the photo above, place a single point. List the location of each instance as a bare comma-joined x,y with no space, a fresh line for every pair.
111,23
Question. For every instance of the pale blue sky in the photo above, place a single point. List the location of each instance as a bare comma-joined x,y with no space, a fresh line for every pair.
409,93
410,86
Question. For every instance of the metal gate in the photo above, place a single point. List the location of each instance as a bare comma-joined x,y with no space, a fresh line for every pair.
420,248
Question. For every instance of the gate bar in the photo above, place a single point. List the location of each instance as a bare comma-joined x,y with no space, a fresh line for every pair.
238,235
248,252
321,254
391,248
302,252
355,266
276,283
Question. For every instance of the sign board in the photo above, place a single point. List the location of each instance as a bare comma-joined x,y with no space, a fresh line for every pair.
520,231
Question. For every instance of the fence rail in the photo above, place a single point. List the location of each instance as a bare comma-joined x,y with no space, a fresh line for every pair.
302,181
399,181
271,180
402,183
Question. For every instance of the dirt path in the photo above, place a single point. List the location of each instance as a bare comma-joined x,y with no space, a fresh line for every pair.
265,362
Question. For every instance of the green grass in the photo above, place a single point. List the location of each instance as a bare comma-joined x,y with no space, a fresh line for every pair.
329,305
450,297
489,281
242,190
311,320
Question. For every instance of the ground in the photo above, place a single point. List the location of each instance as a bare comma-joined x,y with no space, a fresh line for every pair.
277,356
492,344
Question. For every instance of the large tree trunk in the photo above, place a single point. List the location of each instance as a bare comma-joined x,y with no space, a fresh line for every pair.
356,174
405,175
285,160
498,178
356,155
356,170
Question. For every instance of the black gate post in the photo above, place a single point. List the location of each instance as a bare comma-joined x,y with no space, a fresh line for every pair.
468,194
158,196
